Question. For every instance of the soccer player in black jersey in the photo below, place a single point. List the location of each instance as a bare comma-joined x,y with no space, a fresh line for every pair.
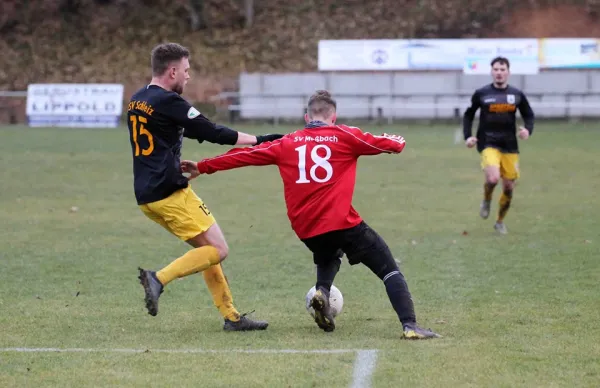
496,137
158,119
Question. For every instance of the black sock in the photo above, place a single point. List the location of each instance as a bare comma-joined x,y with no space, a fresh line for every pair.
400,297
326,273
383,265
488,189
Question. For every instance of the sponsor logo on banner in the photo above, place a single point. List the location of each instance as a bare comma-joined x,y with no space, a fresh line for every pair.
522,54
380,57
74,105
352,55
573,53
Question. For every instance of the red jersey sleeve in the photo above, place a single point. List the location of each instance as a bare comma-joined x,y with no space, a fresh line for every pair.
259,155
368,144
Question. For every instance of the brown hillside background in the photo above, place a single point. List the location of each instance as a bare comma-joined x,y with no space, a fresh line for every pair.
109,41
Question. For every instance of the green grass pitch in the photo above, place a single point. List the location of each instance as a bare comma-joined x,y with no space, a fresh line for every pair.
520,310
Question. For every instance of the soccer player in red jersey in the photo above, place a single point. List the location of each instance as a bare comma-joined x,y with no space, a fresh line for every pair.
318,168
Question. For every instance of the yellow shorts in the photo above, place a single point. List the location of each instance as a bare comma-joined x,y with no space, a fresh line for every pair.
182,213
508,163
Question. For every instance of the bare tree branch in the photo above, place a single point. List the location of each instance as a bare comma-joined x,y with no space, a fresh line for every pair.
196,12
249,12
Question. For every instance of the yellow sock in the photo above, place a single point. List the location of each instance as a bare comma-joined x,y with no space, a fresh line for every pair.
505,199
219,288
196,260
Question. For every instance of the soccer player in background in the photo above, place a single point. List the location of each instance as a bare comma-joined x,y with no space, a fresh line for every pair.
318,168
496,138
158,119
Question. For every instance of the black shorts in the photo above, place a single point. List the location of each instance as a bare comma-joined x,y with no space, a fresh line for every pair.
358,243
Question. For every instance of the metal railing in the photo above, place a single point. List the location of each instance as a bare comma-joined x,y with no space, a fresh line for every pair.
397,107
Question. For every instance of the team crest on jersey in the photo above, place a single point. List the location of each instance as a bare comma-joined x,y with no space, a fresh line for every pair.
193,113
510,98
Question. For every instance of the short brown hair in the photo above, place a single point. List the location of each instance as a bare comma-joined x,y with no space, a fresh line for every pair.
164,54
321,104
500,60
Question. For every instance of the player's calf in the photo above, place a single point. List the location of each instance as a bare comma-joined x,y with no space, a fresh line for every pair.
327,267
505,201
508,186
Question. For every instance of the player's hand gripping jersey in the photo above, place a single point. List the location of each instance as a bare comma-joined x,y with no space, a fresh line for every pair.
318,168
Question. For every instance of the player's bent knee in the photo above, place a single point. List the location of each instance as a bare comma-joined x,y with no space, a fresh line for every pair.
324,259
214,237
374,253
366,244
221,248
332,265
223,252
492,174
508,186
492,179
382,264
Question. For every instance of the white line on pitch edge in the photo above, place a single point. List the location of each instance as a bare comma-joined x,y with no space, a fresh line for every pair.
364,366
184,351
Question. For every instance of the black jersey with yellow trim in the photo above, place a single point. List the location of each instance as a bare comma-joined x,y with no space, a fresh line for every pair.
497,119
158,119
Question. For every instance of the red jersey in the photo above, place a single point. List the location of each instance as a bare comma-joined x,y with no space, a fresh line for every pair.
318,168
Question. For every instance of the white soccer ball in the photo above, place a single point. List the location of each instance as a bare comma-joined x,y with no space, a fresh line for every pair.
336,301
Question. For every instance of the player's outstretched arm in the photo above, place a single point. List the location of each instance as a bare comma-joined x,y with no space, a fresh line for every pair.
197,126
260,155
246,139
204,129
468,118
368,144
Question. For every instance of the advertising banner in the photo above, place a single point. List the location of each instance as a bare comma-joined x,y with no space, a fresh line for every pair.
570,53
74,105
472,56
386,54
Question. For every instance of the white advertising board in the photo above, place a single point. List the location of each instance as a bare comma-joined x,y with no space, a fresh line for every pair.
74,105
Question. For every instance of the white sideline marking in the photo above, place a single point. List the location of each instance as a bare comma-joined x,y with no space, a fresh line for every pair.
364,366
184,351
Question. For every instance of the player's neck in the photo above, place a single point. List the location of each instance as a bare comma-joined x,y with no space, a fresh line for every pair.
500,86
159,82
328,122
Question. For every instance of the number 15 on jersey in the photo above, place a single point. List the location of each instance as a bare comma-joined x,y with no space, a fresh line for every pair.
320,164
141,131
